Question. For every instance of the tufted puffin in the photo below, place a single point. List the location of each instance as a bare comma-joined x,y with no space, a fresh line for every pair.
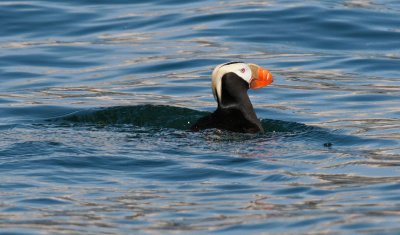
230,82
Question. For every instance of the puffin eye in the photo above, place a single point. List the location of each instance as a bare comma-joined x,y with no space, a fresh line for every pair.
242,70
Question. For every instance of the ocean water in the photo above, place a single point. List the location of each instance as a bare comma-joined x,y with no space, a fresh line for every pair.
96,98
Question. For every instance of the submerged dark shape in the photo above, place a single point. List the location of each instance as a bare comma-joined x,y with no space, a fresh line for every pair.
155,116
230,83
163,116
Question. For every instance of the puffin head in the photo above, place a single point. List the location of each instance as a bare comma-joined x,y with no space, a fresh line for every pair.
231,80
230,83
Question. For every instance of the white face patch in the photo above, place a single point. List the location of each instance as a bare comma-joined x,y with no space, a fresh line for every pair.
240,69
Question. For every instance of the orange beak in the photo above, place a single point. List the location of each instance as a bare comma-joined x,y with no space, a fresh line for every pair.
260,77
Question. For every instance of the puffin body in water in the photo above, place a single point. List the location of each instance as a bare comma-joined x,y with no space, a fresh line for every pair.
230,82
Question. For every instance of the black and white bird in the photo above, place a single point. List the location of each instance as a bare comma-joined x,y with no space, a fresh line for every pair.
230,82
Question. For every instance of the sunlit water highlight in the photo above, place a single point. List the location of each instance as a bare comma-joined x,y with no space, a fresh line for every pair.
96,99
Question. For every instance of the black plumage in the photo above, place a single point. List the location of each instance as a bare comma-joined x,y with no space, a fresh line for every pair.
235,111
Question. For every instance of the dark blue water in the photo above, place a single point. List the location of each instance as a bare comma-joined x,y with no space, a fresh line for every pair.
96,98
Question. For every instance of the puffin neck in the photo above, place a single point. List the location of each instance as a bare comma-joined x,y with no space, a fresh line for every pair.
234,96
233,92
